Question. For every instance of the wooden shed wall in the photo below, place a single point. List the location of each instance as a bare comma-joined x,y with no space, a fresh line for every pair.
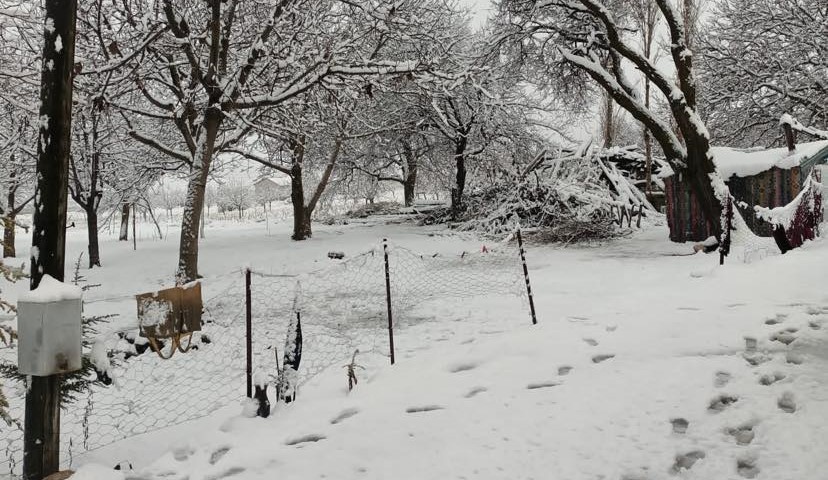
771,188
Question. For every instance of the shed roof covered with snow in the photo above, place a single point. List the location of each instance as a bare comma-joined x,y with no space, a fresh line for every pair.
747,162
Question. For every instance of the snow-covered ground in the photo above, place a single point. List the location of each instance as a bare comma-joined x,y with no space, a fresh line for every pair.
638,368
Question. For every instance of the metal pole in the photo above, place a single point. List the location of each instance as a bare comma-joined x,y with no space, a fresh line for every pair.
526,278
388,299
249,333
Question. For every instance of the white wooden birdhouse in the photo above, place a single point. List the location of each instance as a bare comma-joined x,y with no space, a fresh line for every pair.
49,329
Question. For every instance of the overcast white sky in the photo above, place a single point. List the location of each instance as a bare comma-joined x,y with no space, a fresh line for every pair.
480,8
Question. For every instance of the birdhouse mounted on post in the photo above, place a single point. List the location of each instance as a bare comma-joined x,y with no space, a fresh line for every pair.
49,329
172,315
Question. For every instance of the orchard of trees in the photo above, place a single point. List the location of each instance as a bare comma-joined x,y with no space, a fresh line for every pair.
361,97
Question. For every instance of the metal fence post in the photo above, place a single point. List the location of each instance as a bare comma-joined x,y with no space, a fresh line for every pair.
248,333
388,299
526,277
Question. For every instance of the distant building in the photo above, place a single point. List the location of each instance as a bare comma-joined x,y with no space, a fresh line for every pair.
268,190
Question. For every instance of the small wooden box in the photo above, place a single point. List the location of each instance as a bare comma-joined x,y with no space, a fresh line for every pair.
170,312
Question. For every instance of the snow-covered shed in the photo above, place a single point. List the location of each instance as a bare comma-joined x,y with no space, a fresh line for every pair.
269,189
756,177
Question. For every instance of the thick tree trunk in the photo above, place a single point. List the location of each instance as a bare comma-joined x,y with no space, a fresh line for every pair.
124,236
41,438
700,166
410,177
460,178
92,232
301,216
9,236
194,203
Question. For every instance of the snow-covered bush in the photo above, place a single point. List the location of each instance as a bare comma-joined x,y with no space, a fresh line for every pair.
7,334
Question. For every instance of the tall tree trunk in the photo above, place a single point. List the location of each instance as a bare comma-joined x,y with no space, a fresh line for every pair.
194,203
460,174
92,232
648,147
124,236
410,177
301,217
9,236
609,124
41,437
698,175
8,221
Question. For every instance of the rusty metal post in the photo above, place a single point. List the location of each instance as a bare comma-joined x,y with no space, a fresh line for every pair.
248,332
388,298
526,277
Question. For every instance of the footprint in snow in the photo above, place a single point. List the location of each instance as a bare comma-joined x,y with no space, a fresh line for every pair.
564,369
218,454
787,403
722,379
784,336
313,437
721,402
344,415
535,386
602,358
816,310
424,408
755,358
747,468
687,460
680,425
815,325
462,367
591,342
743,435
770,379
780,317
474,391
227,473
794,358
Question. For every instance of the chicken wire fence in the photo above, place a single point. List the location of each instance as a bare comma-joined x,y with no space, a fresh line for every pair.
343,308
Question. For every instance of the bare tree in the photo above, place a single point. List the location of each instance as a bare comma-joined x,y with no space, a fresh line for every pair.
762,59
588,38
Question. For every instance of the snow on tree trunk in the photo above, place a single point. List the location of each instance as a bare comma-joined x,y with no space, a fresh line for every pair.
42,417
8,220
124,235
409,174
8,236
194,202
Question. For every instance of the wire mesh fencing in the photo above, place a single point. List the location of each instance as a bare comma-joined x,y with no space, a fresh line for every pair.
343,307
